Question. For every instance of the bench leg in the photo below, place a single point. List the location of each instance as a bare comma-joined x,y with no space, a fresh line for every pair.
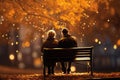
91,68
91,62
44,69
44,72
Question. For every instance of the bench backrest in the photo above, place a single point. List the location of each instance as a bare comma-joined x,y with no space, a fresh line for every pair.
81,53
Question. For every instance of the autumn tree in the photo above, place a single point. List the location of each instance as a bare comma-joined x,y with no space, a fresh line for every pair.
78,15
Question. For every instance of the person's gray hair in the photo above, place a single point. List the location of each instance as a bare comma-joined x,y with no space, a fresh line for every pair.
51,33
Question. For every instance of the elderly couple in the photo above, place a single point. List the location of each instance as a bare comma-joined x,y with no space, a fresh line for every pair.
66,41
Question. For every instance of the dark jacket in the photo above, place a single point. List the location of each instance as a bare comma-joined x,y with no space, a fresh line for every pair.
49,43
68,41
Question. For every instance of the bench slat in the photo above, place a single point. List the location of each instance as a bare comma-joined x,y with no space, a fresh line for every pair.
83,59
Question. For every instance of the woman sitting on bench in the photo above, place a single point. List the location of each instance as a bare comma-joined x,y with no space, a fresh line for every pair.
50,42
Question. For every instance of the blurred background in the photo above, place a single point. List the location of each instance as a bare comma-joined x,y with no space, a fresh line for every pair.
24,24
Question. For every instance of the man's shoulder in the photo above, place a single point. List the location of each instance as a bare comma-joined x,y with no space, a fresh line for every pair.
68,38
62,39
73,37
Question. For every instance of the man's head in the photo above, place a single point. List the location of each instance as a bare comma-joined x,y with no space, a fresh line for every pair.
65,31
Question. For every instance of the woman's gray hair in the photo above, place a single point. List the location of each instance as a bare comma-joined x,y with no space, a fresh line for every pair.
51,33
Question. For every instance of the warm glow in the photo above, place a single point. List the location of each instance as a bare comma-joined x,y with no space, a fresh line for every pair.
34,54
17,51
112,11
19,56
11,57
96,40
99,42
106,25
11,13
26,44
17,43
115,46
37,62
21,65
12,44
118,42
88,64
47,11
105,48
73,68
3,36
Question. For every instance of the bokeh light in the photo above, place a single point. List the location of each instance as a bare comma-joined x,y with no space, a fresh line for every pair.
114,46
105,49
11,57
26,44
73,68
19,56
37,62
96,40
99,42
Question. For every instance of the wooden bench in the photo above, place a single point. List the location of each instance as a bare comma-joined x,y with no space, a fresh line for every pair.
82,54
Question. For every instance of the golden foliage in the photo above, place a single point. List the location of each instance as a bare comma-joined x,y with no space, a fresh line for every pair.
49,11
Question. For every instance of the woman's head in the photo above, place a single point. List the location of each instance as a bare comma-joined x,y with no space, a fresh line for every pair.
51,34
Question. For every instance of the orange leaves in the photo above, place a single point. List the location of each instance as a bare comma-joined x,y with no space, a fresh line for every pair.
93,6
54,10
118,42
12,11
49,11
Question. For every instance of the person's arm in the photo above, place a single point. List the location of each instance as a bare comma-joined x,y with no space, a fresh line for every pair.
75,42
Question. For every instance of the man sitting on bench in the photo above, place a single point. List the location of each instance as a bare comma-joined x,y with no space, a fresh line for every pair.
67,41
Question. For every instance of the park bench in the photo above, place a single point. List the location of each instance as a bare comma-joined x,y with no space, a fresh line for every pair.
82,54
